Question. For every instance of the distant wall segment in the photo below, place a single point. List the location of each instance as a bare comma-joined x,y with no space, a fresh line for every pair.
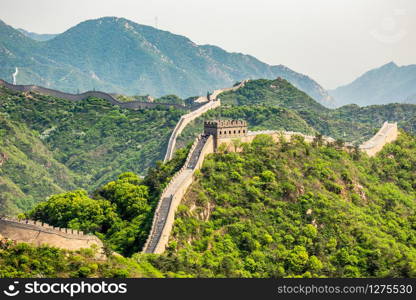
387,134
86,95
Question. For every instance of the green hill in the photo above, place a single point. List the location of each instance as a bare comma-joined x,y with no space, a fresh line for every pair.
278,105
28,171
85,143
295,209
285,209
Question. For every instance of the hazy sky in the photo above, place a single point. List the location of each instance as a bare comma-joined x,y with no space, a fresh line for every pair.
333,41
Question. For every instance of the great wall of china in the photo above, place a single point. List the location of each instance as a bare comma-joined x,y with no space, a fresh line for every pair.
387,134
39,233
84,96
210,103
203,145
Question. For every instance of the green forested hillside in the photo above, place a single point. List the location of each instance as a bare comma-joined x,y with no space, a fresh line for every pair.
84,144
28,171
276,104
23,260
286,209
297,209
120,212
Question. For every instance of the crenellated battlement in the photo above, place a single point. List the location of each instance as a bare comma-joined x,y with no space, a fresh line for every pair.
224,123
223,129
39,233
43,226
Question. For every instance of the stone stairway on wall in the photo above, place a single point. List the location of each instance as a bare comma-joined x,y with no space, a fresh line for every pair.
171,196
185,120
197,152
160,217
387,133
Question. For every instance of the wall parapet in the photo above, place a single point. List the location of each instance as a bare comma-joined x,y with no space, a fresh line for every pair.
38,225
38,234
386,134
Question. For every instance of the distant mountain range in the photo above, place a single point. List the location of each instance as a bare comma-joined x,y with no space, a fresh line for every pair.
117,55
387,84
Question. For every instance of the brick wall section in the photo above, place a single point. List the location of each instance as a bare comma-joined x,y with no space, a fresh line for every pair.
86,95
185,120
172,195
203,145
211,103
387,134
275,134
38,233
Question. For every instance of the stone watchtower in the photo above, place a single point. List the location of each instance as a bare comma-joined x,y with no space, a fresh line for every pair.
225,129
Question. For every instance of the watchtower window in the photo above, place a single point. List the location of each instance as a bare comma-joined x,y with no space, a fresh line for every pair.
234,131
229,132
239,131
220,132
244,131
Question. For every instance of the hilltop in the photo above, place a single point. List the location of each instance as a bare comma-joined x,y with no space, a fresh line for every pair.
119,56
278,105
37,37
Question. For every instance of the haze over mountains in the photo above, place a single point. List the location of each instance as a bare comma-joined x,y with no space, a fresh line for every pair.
118,55
387,84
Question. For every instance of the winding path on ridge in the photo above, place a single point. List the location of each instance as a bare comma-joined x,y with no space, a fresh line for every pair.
211,103
163,219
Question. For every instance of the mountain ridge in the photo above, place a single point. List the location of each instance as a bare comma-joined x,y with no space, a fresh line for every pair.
137,59
388,83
